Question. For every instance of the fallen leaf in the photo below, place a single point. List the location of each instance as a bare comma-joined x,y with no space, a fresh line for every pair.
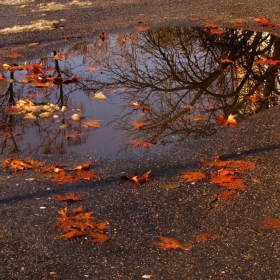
71,197
84,166
215,31
211,25
170,243
99,237
235,165
191,176
227,194
271,223
91,123
139,124
204,236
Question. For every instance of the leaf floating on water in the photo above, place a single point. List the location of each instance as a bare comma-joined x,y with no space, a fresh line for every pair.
139,143
100,96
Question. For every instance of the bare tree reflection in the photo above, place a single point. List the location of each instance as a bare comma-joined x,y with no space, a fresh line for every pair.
189,77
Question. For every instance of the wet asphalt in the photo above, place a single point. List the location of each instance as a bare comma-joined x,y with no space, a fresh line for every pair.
31,249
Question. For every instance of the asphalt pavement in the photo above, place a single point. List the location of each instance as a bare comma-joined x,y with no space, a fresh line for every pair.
237,247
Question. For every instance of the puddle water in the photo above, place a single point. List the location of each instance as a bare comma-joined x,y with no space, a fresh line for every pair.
158,86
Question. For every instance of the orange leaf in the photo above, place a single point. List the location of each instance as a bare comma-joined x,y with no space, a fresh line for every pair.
204,236
235,165
139,124
217,31
84,166
99,237
238,24
13,55
263,21
138,143
60,57
271,223
228,179
191,176
91,123
227,194
135,105
170,243
73,233
141,28
69,197
86,175
211,25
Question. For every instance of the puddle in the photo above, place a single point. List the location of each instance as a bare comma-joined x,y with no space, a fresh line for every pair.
159,86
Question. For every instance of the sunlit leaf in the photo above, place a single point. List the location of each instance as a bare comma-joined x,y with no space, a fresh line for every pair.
84,166
91,123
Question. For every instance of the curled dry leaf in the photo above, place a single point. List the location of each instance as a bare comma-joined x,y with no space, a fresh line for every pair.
171,243
138,180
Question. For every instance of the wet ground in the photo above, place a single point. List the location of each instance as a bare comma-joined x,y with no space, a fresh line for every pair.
178,82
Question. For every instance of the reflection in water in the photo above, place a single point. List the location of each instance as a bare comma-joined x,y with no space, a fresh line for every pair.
176,82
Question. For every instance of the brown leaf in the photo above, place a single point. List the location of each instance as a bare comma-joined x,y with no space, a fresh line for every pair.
170,243
139,124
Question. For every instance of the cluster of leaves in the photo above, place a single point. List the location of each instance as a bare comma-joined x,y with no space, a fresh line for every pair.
227,176
56,173
77,222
